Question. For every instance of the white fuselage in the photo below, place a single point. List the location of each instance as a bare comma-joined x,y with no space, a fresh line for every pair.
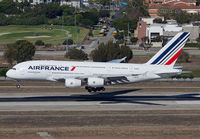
61,70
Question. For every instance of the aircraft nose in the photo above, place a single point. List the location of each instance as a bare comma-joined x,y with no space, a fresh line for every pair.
9,74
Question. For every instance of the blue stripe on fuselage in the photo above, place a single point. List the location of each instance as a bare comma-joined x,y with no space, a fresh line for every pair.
169,48
174,49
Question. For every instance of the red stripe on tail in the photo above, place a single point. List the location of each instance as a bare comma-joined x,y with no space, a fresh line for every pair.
174,58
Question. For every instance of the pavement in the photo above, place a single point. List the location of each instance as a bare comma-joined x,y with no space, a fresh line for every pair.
118,101
154,96
150,110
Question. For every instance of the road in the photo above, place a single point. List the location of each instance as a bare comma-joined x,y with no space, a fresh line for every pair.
104,39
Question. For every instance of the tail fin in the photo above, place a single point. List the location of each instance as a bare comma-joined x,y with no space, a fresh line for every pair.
171,51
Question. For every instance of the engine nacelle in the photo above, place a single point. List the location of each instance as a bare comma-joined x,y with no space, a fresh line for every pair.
71,83
95,82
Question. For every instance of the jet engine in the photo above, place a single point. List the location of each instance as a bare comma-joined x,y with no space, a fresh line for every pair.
95,82
71,83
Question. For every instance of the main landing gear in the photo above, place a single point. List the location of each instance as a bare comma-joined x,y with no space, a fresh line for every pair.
18,84
94,89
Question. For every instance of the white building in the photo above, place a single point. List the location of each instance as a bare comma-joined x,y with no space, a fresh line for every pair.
168,30
72,3
85,2
34,2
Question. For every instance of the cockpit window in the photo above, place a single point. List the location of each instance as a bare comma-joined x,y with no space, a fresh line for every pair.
14,68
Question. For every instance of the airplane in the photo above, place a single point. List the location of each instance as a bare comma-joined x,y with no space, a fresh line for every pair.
95,75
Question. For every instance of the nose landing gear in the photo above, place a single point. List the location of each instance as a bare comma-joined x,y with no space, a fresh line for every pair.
18,84
94,89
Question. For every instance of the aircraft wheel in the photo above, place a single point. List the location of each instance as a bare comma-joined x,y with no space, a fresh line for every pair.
18,85
94,90
89,89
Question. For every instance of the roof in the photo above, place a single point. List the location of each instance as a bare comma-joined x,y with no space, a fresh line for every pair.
175,5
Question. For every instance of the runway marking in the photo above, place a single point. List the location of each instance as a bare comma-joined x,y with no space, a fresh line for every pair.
97,115
109,87
45,135
187,102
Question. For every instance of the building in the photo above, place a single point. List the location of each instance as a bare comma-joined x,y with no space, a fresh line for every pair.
85,2
186,5
34,2
154,31
188,2
72,3
141,31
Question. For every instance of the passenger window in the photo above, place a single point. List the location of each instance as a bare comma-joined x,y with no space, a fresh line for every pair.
14,68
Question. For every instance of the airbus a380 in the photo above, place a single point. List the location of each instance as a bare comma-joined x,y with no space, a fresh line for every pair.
95,75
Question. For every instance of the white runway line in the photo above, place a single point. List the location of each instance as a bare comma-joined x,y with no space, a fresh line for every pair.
45,135
188,102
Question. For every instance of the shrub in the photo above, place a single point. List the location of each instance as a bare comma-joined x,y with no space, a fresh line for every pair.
90,33
68,42
192,45
134,40
48,45
39,43
3,72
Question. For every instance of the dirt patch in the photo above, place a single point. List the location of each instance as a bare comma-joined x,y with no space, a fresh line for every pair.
33,37
1,34
104,124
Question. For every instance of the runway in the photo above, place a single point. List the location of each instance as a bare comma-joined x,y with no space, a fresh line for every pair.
127,99
147,110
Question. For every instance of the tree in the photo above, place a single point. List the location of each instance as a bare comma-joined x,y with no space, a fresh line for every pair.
125,51
104,2
110,51
90,33
76,54
146,43
20,51
158,20
39,43
134,40
8,7
10,55
176,14
67,10
136,9
123,23
104,13
119,36
68,42
179,14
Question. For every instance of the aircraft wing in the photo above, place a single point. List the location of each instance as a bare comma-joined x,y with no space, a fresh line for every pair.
110,79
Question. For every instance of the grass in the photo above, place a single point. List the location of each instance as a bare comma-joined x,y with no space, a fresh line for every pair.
12,33
196,73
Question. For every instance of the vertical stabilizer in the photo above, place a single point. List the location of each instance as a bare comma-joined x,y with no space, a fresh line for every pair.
171,51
